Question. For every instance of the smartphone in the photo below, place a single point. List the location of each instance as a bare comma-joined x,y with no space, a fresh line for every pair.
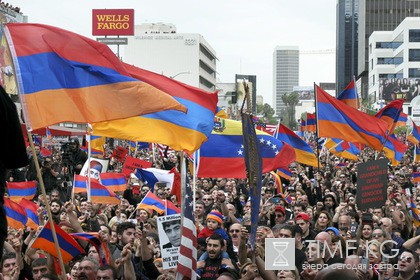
365,263
141,226
248,228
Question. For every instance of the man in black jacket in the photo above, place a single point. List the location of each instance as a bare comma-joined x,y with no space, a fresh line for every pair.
13,154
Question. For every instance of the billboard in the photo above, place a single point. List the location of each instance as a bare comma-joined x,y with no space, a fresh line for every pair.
112,22
305,93
393,89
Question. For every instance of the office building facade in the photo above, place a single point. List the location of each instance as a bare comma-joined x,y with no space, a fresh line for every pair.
186,57
285,74
347,42
379,15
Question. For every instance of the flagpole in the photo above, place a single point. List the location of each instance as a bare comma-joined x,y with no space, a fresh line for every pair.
194,180
183,180
89,196
47,206
131,215
38,171
316,124
153,152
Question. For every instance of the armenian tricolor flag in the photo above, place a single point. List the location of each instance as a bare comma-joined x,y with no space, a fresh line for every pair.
19,190
171,209
310,122
58,83
151,201
349,95
15,214
416,177
31,210
115,182
69,248
338,120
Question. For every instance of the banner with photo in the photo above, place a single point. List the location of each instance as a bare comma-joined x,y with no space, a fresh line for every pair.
404,88
169,229
95,166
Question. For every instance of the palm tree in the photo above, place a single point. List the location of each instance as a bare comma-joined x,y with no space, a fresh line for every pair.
291,100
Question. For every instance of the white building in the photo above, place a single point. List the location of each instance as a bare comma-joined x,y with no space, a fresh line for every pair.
183,56
285,74
394,64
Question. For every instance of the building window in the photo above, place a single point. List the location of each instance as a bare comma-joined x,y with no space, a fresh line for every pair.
388,45
414,73
390,60
414,35
414,55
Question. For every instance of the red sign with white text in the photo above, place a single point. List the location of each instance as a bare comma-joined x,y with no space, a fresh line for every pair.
131,164
112,22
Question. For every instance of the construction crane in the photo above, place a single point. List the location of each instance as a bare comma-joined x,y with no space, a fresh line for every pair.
325,51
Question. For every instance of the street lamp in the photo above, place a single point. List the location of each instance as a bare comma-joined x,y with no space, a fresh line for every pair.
180,73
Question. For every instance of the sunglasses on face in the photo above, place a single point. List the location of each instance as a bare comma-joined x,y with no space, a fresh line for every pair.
234,230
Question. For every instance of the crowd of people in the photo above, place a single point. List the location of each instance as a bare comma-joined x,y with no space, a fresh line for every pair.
316,208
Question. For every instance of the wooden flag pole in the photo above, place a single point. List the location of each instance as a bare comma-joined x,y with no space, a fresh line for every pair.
44,194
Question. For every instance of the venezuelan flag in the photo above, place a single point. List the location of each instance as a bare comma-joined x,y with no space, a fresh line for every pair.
171,209
69,248
151,201
32,213
414,136
15,214
115,182
338,120
402,120
19,190
394,149
221,113
304,153
171,128
58,82
310,122
416,177
390,113
225,149
349,95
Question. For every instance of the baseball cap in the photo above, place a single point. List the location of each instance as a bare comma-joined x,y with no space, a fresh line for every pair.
303,216
333,229
280,208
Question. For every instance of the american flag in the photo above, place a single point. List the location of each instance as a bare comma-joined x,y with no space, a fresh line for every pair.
187,262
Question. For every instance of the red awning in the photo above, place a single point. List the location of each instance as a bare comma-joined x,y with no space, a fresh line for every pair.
56,131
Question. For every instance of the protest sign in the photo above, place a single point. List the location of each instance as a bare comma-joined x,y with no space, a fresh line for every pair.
169,229
131,164
372,181
95,166
119,153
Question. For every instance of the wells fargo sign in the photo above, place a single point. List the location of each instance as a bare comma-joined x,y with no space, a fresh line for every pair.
112,22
